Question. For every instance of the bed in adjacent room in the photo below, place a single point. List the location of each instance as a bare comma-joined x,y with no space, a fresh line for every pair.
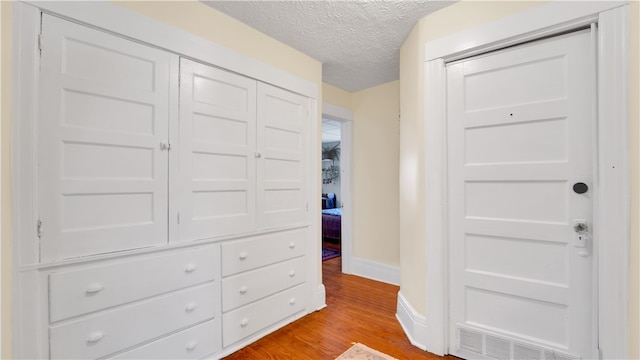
331,218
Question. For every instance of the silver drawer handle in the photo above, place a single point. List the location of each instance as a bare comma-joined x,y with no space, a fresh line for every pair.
292,301
191,306
292,273
95,337
244,322
94,288
190,268
243,290
292,245
243,255
191,345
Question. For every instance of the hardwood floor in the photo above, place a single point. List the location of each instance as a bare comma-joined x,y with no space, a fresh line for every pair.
358,310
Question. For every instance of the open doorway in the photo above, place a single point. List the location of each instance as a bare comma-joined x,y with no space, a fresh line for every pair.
336,184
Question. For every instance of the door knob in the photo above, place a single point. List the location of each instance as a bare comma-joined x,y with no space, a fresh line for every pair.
580,227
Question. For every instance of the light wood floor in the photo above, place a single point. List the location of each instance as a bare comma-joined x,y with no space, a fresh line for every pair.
358,310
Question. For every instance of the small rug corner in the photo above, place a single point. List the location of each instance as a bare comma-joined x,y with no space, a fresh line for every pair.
362,352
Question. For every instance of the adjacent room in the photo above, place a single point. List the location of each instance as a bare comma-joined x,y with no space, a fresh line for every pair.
331,189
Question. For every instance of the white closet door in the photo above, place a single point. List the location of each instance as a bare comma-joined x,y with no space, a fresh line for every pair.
282,123
102,175
217,152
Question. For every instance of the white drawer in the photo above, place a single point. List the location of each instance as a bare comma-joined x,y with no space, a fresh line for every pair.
239,290
193,343
243,255
81,291
252,318
114,330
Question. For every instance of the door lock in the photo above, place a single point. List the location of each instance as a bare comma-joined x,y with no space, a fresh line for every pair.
581,230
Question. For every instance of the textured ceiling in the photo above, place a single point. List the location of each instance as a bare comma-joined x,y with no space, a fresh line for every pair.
357,41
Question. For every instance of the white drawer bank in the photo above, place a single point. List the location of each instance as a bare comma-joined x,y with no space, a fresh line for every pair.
263,283
163,203
158,303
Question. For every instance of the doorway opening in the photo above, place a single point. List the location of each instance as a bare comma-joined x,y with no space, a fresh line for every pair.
336,184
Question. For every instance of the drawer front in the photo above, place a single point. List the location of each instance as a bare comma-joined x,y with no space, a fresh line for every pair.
115,330
82,291
248,320
193,343
239,290
243,255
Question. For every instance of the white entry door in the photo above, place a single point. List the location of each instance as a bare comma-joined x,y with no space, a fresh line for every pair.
520,155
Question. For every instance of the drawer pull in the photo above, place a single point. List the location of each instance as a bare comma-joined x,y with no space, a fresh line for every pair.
292,301
190,307
190,268
292,273
292,245
243,255
243,290
244,322
191,345
94,288
95,337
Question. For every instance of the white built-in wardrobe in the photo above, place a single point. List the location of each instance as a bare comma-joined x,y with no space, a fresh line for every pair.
169,201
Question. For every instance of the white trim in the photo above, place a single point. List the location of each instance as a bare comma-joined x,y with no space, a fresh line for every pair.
435,208
118,20
321,297
337,112
314,253
346,190
613,191
613,196
527,25
25,294
375,271
413,323
345,116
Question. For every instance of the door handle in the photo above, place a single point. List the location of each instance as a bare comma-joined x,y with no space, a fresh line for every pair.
581,233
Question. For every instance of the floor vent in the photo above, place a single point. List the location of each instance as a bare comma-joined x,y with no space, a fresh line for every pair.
505,348
498,348
470,341
525,352
553,355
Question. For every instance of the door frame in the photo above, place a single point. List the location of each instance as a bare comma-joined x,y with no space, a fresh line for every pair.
611,193
345,117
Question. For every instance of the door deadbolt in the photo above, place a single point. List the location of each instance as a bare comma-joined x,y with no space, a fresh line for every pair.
580,188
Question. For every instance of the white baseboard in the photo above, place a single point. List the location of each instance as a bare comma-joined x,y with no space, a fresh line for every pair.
413,324
321,298
375,271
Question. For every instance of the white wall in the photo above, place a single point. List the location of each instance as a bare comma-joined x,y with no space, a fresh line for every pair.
375,169
376,139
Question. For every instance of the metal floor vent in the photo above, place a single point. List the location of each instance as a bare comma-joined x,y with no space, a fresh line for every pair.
503,348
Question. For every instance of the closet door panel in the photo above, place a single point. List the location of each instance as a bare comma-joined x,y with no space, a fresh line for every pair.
282,123
217,152
102,174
